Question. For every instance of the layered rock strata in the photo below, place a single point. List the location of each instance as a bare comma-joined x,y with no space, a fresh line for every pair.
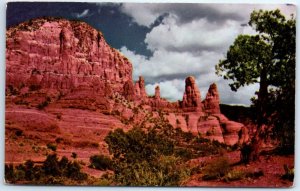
70,62
62,54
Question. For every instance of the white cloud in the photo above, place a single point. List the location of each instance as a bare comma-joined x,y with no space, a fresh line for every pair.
190,43
171,90
145,14
141,13
83,14
191,36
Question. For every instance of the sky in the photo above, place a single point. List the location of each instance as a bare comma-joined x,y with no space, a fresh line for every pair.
165,42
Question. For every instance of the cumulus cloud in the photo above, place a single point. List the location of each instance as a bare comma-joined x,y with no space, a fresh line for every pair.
194,36
171,90
83,14
190,39
146,14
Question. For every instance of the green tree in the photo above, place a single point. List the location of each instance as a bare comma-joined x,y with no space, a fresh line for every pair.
267,58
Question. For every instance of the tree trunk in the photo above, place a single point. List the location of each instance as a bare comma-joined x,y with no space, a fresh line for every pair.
261,116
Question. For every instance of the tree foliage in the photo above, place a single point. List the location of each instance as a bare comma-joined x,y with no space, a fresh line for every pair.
267,58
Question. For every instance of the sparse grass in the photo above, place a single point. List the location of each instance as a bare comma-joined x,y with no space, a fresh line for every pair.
235,175
216,169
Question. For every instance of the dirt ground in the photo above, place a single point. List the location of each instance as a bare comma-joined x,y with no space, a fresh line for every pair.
270,165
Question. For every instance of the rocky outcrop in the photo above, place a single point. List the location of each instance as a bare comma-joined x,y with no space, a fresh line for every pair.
62,54
72,61
214,127
129,90
191,100
157,93
140,90
212,100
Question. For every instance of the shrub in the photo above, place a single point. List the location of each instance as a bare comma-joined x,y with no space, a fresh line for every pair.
289,173
10,173
19,132
43,105
59,139
146,157
166,171
73,171
105,180
53,171
12,90
74,155
51,165
183,153
100,162
52,146
34,87
216,169
235,175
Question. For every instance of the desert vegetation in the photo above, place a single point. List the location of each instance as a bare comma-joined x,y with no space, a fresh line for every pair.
121,140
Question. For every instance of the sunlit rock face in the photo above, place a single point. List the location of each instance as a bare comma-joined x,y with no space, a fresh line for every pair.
71,63
212,100
191,100
62,54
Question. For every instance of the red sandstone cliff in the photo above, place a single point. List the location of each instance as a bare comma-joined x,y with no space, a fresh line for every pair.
62,54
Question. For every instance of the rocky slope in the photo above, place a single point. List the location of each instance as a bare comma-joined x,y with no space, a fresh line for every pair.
65,84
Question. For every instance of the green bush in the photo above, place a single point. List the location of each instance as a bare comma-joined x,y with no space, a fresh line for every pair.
100,162
235,175
184,153
53,171
165,172
51,165
146,157
216,169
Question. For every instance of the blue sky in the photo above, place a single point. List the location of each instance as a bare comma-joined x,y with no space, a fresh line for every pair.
165,42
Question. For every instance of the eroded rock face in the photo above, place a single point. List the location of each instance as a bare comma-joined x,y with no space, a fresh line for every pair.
212,100
62,54
73,59
140,90
191,100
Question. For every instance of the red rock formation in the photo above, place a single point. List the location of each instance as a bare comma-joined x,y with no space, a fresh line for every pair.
157,93
191,100
140,90
62,54
212,100
129,90
73,59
